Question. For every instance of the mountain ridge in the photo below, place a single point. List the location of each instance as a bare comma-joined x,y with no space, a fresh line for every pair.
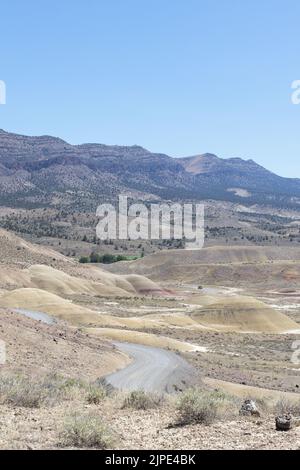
33,167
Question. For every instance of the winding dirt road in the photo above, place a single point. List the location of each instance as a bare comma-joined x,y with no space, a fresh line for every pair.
152,370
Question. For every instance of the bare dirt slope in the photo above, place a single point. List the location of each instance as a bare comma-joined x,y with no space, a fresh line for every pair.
16,251
35,348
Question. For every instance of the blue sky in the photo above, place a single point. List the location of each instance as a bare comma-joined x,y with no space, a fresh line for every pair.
176,76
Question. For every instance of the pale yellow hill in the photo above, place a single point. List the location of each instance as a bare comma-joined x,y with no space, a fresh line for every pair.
58,282
144,338
39,300
100,283
239,314
12,277
24,264
243,314
132,283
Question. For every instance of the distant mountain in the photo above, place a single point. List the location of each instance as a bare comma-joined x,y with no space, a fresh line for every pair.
244,178
37,171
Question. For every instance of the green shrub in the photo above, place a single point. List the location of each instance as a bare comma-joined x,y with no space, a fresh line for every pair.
95,258
107,258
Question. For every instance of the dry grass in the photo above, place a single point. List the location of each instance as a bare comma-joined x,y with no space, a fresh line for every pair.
18,390
86,431
140,400
96,394
285,406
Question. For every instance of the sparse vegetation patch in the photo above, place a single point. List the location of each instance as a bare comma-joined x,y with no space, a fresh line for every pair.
86,431
201,407
140,400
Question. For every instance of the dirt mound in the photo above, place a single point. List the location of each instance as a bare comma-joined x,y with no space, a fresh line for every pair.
49,270
30,298
243,314
38,300
145,286
99,283
132,283
58,282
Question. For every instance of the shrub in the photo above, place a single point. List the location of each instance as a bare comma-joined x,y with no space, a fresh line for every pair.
140,400
19,391
60,388
285,406
196,406
95,258
106,386
107,258
86,431
96,394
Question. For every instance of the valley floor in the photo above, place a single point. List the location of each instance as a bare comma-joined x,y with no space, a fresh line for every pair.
232,337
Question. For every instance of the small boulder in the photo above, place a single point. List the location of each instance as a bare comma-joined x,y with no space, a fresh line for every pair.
284,422
249,408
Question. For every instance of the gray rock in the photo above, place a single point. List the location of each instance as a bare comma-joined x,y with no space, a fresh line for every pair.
249,408
284,422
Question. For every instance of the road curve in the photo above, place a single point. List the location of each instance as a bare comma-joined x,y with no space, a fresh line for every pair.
152,370
38,316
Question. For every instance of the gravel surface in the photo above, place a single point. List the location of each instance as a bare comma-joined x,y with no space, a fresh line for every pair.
152,370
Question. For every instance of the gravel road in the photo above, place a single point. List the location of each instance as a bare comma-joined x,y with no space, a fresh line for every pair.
152,370
39,316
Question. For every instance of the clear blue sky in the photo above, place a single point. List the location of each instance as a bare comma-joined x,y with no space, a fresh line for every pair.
176,76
